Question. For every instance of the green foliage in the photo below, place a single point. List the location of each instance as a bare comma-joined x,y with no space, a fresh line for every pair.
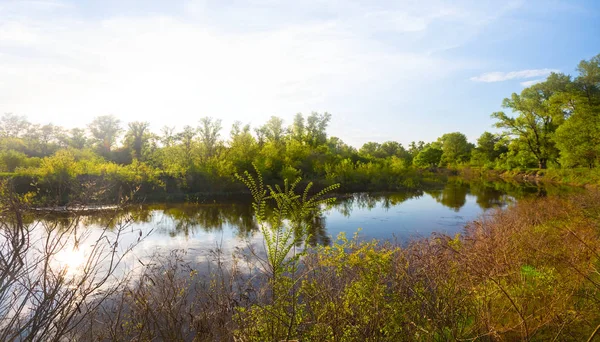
428,157
283,229
455,147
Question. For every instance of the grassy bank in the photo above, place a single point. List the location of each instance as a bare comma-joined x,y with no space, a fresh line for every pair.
140,183
527,273
583,177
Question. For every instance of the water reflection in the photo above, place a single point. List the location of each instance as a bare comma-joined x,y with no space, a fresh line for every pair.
388,214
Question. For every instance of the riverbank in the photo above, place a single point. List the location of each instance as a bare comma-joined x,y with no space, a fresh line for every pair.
588,178
526,273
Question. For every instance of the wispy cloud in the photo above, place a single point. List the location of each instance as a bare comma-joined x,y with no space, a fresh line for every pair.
499,76
227,59
532,82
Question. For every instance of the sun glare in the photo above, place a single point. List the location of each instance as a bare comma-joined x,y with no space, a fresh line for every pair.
71,259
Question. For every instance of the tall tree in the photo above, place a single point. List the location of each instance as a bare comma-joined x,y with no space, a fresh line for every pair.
489,148
298,128
429,156
105,131
187,137
316,128
273,130
137,137
77,138
209,131
168,136
455,148
13,126
537,117
578,138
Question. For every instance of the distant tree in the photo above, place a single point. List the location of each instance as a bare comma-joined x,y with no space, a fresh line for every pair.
489,148
137,137
187,137
243,147
77,138
428,157
168,136
13,126
209,131
415,147
105,131
371,149
298,129
316,128
455,148
272,131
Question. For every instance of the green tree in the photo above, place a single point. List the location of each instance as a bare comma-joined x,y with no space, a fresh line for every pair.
272,131
455,147
578,138
77,138
316,128
537,117
208,132
137,138
168,136
13,126
187,138
298,129
428,157
105,131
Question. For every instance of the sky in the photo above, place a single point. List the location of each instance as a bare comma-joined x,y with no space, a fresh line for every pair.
385,70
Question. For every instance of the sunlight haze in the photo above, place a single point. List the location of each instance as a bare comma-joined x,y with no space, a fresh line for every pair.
384,69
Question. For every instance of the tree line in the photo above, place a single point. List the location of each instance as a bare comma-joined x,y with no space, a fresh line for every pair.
553,124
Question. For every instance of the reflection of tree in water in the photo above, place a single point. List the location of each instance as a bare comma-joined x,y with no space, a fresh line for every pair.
188,219
368,201
487,196
317,229
105,219
453,196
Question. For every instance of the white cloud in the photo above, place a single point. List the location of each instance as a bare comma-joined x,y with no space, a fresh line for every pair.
532,82
499,76
237,61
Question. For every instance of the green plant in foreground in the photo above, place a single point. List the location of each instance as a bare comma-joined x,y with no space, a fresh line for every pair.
281,214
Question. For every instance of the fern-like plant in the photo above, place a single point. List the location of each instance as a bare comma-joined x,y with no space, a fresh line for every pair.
281,215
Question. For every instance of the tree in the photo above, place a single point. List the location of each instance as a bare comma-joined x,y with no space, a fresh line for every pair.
272,131
415,147
371,149
209,134
187,137
578,138
537,117
137,137
489,148
298,130
105,130
242,146
77,138
316,128
168,137
428,157
456,149
13,126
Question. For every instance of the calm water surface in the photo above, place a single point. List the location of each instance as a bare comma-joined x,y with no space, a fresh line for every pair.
199,228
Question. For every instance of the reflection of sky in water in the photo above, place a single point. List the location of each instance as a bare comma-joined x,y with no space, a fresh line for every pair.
416,217
198,229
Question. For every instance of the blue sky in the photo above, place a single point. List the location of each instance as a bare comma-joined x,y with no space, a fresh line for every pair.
386,70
